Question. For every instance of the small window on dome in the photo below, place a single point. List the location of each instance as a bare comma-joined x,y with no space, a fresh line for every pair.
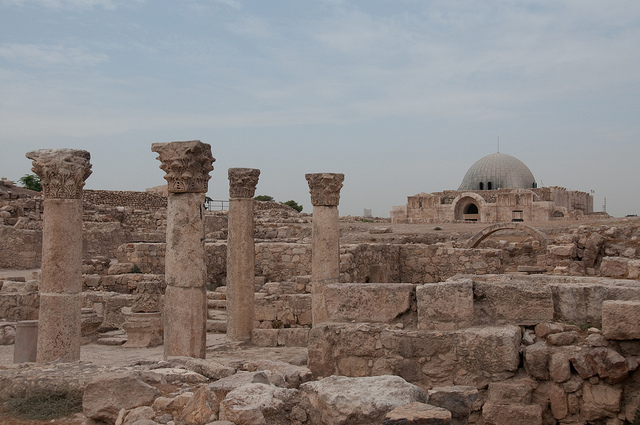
481,185
489,186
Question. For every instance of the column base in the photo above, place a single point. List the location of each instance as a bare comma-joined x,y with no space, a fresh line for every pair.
144,330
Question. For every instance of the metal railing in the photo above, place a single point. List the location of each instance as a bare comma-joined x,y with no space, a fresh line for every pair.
216,204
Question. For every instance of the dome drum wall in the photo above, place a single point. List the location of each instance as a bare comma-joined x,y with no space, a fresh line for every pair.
498,171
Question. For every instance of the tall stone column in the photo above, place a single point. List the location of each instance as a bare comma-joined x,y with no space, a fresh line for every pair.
241,253
325,235
62,173
187,165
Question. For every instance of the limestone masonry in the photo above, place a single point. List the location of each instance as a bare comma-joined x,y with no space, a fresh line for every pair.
521,306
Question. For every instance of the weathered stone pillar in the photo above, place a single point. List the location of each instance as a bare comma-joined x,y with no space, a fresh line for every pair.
325,235
187,165
241,253
62,173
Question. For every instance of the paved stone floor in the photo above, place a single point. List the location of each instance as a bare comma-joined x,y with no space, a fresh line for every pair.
219,348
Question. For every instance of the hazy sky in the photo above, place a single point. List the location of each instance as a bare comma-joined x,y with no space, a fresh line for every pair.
401,96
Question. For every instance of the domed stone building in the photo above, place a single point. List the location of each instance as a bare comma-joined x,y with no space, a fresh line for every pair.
497,188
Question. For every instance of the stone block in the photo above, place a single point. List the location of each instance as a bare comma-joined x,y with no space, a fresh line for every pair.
567,250
604,362
418,414
489,349
634,269
106,395
445,305
121,268
209,368
509,393
600,402
616,267
254,403
473,356
501,414
293,337
264,337
340,400
621,320
265,309
544,329
560,366
367,302
512,302
536,360
458,399
223,386
562,338
202,408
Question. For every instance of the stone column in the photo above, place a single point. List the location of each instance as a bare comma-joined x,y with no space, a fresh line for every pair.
325,235
241,253
187,165
62,173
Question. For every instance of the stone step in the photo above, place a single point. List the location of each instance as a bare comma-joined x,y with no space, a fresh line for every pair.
220,304
281,288
113,341
217,314
217,326
216,296
114,338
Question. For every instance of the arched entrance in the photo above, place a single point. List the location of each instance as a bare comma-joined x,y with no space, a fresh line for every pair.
468,207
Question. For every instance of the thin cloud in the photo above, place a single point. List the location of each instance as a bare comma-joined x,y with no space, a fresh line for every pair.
63,4
43,56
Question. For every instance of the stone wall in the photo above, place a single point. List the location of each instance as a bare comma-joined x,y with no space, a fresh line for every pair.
20,248
376,263
531,345
139,200
362,263
433,263
19,306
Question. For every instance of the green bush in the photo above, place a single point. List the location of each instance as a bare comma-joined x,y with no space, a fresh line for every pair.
293,204
263,198
31,181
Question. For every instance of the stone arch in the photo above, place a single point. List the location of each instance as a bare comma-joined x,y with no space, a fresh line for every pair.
560,212
486,232
465,203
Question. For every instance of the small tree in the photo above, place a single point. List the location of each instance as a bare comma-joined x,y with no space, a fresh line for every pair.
293,204
263,198
31,181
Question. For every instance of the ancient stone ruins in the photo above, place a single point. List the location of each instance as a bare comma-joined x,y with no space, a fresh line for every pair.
149,308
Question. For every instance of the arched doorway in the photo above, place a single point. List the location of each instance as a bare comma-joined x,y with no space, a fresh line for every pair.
467,208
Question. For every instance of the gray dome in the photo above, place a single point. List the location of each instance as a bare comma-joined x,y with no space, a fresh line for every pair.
498,171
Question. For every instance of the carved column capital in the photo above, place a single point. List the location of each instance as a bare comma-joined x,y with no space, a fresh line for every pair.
61,171
242,182
325,188
187,165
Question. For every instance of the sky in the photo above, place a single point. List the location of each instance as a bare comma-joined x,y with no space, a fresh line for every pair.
402,96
